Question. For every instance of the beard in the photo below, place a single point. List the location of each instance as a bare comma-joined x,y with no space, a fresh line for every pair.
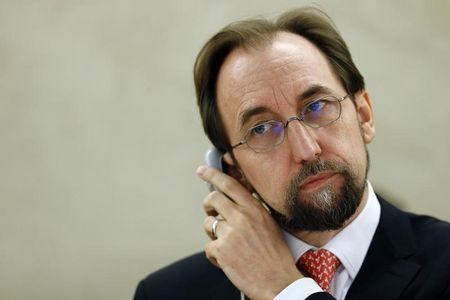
325,209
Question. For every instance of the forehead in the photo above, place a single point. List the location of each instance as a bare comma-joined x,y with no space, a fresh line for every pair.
271,76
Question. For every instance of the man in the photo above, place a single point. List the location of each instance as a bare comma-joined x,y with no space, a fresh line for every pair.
294,216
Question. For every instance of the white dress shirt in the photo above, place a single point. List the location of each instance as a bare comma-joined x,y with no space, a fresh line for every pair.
350,246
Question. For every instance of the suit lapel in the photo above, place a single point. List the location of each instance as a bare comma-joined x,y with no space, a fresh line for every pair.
386,272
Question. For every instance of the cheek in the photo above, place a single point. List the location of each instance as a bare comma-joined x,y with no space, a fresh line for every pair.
346,144
269,176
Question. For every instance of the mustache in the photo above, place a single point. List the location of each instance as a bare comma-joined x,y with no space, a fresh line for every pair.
316,166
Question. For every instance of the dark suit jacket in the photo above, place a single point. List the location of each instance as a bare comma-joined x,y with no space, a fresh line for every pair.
408,258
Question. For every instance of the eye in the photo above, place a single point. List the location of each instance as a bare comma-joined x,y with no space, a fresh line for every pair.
315,106
261,129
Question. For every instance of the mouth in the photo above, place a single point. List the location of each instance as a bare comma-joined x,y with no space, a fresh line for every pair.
317,181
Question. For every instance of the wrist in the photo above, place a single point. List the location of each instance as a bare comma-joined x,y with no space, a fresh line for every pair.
283,282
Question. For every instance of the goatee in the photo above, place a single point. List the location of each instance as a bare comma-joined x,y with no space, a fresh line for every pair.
327,208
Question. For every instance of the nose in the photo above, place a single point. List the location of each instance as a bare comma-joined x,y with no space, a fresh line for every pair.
303,144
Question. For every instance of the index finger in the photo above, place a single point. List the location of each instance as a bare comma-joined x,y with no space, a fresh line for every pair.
226,184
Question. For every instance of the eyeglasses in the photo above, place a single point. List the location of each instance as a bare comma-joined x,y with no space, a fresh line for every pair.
267,135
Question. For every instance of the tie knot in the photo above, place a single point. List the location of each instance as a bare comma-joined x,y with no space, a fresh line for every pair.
320,265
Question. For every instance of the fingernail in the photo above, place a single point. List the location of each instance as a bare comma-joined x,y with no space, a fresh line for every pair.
201,170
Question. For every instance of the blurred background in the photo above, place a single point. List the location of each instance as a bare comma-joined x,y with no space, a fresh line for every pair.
100,135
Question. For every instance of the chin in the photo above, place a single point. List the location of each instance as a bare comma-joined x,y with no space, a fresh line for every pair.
326,207
324,195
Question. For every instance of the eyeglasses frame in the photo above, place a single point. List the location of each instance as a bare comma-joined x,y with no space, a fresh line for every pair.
300,119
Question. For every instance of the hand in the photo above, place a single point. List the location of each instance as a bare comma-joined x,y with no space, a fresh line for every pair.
249,246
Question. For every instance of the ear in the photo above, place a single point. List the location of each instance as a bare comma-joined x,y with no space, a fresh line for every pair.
231,167
366,120
228,159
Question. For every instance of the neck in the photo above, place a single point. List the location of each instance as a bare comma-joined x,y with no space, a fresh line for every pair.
320,238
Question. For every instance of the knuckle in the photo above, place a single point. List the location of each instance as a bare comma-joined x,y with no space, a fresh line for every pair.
228,185
205,200
206,222
205,203
215,194
208,172
210,198
208,250
211,174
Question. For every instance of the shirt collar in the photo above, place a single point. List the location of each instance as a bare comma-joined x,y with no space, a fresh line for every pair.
350,245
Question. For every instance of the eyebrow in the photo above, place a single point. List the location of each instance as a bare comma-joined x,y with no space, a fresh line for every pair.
249,113
311,91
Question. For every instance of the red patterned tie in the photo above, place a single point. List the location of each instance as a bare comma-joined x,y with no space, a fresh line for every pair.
320,265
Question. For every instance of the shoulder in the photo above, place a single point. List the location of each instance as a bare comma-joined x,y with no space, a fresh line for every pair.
432,238
426,229
432,234
413,247
188,278
427,225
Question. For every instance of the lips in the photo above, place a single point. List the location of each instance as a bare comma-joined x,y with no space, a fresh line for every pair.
316,180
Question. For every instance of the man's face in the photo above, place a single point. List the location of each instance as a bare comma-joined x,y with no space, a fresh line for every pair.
314,166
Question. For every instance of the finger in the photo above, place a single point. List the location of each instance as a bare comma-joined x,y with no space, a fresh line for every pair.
226,184
221,227
216,203
211,252
207,226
